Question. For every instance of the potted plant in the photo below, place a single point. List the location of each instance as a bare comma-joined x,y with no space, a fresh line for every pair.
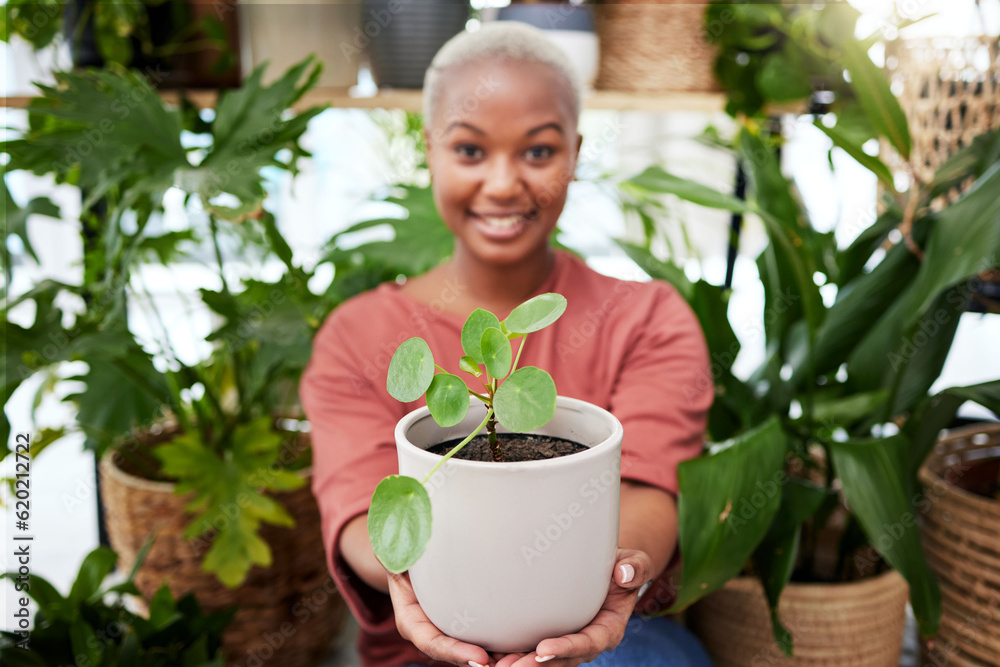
195,43
81,628
962,519
842,393
218,413
636,58
401,38
521,519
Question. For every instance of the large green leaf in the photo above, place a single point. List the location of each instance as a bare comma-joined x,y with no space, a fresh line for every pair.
411,370
659,269
478,322
50,601
95,567
497,355
15,219
84,641
859,306
536,313
937,412
775,558
420,241
851,261
399,522
725,507
918,362
870,162
872,90
787,270
448,398
871,472
229,501
964,242
526,400
655,179
249,130
709,302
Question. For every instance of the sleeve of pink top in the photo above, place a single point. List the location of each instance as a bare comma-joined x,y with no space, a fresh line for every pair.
663,392
352,420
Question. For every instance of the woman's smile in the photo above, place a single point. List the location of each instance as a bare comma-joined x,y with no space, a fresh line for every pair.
502,226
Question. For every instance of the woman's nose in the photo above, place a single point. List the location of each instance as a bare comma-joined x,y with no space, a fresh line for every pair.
503,180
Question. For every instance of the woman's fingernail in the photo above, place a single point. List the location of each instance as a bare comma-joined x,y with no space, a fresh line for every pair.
473,663
627,573
543,658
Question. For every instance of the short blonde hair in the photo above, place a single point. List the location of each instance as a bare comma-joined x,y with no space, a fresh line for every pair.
498,40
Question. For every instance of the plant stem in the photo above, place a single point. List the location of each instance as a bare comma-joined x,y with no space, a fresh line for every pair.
454,450
491,429
518,357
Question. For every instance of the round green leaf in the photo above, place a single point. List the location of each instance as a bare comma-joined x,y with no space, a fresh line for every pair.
399,522
472,332
496,353
536,313
448,399
410,371
526,400
469,365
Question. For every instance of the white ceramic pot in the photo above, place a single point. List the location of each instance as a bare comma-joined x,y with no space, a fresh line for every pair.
286,31
519,552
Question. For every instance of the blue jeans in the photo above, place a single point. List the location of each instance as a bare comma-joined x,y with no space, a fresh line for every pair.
651,642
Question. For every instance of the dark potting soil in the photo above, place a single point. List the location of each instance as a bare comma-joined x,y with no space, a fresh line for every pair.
981,478
514,446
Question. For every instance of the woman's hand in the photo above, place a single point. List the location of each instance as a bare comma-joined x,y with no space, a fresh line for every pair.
632,570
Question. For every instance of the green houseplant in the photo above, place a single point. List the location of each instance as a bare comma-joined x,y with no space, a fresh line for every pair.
81,628
521,399
478,545
123,33
221,410
843,389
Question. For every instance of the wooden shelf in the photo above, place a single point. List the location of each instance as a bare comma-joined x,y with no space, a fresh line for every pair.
410,100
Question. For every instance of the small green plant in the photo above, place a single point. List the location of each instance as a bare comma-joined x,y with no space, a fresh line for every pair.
81,629
521,399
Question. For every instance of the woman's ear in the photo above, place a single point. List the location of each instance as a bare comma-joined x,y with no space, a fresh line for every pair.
576,159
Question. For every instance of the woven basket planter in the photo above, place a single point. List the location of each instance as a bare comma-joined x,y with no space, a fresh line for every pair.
288,614
833,625
657,46
961,537
949,89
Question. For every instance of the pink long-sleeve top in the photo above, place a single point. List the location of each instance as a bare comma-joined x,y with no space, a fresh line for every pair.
633,348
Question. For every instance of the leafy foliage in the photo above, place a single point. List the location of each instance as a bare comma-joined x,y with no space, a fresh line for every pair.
522,399
81,628
227,487
841,377
123,31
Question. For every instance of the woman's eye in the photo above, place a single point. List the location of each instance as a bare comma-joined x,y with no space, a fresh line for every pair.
468,151
540,152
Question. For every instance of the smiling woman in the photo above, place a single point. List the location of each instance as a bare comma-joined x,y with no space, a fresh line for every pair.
502,106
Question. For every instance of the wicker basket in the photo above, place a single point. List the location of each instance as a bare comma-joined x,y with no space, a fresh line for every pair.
961,537
288,614
833,625
949,89
657,46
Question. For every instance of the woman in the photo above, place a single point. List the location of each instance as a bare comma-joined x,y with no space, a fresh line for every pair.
501,110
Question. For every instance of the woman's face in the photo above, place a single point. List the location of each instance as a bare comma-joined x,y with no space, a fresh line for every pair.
502,150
